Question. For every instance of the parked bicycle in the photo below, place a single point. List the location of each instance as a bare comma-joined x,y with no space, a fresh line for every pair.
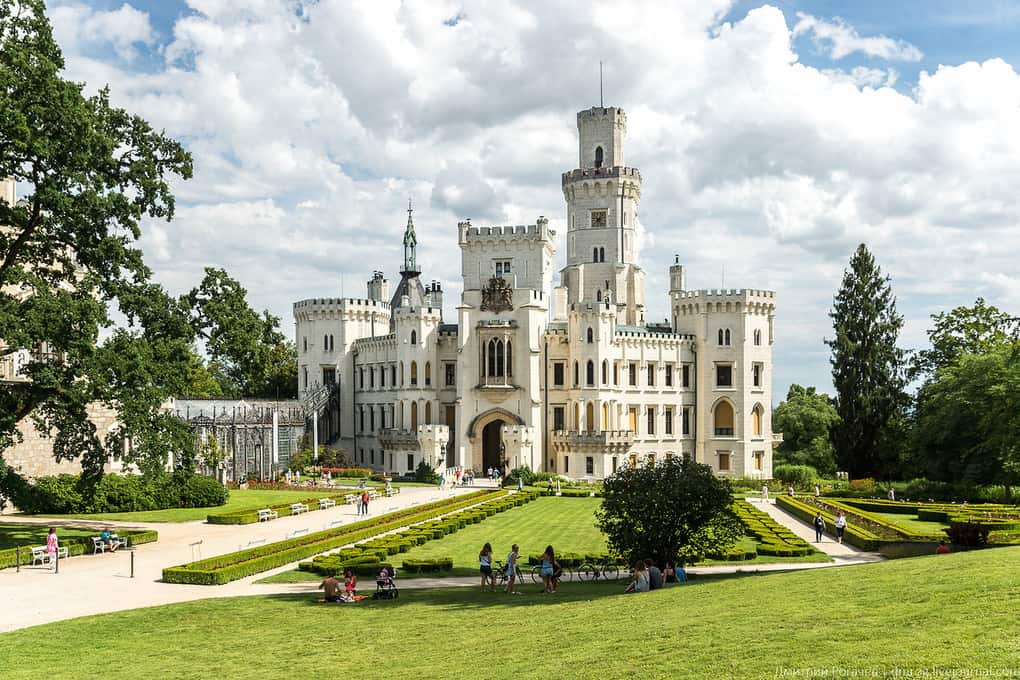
605,570
499,572
564,575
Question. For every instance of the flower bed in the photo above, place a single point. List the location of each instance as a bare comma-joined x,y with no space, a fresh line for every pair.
242,563
77,545
370,557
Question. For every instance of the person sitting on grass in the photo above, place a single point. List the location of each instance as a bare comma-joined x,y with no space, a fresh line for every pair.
350,586
654,575
943,548
669,573
331,587
106,536
639,582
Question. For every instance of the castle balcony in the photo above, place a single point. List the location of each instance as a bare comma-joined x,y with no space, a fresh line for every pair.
396,440
605,441
777,439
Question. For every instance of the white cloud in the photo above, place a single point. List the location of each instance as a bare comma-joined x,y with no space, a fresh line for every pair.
842,39
310,133
78,26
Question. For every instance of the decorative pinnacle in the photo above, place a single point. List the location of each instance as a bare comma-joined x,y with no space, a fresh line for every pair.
410,241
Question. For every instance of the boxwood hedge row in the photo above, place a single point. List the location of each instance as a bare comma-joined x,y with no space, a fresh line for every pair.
775,539
232,566
370,557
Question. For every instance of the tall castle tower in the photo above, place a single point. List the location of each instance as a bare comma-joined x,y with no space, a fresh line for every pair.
602,196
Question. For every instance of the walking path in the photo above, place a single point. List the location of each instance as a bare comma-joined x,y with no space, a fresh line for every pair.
842,553
94,584
98,584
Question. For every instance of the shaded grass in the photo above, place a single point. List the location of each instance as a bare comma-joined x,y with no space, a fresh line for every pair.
951,612
249,499
13,535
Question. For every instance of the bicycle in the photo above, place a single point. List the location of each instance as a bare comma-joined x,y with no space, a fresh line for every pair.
589,572
499,572
564,575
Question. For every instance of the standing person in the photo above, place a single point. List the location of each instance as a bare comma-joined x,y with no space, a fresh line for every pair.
364,500
520,483
52,544
818,491
358,502
892,494
764,493
485,566
840,526
442,479
511,571
819,527
548,557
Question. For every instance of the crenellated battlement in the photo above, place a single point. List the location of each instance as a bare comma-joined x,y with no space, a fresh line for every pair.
725,294
470,234
332,308
599,173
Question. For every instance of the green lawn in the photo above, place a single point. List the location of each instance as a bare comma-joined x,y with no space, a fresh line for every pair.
13,535
239,500
953,613
911,523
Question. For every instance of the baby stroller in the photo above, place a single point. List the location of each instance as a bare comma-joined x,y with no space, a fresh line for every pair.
385,585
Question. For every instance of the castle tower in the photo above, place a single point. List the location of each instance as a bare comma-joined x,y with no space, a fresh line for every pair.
602,196
409,292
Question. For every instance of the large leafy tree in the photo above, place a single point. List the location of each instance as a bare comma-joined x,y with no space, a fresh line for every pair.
977,329
968,420
806,419
867,371
247,352
670,511
90,174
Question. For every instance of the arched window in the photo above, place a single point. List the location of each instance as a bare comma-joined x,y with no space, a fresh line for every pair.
605,416
577,379
428,375
428,412
304,344
577,416
605,372
723,419
756,415
757,337
594,254
598,157
720,337
401,373
500,358
414,337
414,372
325,343
591,335
490,356
414,416
598,296
509,359
393,375
727,337
602,254
590,373
589,417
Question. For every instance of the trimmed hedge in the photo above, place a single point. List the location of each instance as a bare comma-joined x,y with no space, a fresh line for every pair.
381,547
855,535
232,566
775,539
65,494
77,545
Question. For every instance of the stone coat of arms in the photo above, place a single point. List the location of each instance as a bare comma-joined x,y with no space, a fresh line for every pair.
497,296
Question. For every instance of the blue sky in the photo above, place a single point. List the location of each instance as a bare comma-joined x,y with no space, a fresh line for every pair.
771,138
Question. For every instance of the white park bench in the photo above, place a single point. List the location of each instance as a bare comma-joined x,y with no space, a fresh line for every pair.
298,508
392,492
40,556
99,545
326,503
350,498
373,495
267,514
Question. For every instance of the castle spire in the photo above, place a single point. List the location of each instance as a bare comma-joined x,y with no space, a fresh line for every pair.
410,241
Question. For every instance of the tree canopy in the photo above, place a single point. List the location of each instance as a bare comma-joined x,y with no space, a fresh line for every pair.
806,419
867,370
964,330
90,175
670,511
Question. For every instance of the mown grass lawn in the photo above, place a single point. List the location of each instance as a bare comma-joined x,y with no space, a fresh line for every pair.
911,523
13,535
953,613
248,499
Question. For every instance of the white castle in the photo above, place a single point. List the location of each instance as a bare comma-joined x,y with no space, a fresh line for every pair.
567,379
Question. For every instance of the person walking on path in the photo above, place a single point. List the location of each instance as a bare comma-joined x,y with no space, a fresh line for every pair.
764,493
840,526
364,501
819,527
511,570
358,503
52,545
818,491
485,566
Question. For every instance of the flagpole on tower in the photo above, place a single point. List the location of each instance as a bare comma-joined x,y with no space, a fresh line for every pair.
601,103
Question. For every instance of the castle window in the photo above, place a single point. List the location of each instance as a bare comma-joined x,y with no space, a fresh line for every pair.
598,296
727,337
724,461
590,373
304,372
598,157
724,375
616,373
361,418
651,420
414,416
371,419
361,378
393,375
414,337
602,254
401,373
756,371
598,219
669,421
428,373
509,359
558,374
686,421
757,337
686,375
724,419
651,375
499,357
594,254
758,456
720,337
756,417
632,374
304,344
577,379
591,335
414,373
428,412
451,374
382,376
502,267
558,418
605,372
589,465
325,343
371,376
669,375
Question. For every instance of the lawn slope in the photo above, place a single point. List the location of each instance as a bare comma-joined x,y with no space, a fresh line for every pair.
947,612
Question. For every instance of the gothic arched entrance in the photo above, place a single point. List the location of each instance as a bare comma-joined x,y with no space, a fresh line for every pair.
492,443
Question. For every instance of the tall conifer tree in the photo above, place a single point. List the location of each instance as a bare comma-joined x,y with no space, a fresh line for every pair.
867,369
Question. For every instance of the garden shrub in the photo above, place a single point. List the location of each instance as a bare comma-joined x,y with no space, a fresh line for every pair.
866,484
799,476
65,494
970,534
